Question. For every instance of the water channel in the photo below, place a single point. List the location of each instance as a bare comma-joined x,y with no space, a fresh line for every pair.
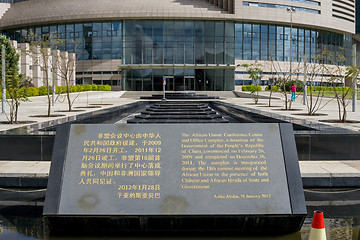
21,217
21,209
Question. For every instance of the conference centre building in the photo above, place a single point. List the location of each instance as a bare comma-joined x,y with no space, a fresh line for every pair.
195,44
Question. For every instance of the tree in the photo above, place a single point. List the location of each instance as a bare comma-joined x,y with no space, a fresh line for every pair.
65,69
272,83
40,50
284,79
255,71
59,63
342,79
315,73
15,92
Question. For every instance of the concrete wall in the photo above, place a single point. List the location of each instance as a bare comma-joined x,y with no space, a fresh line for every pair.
283,70
3,8
32,64
88,66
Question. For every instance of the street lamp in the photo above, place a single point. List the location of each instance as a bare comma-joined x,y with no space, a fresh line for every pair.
291,10
3,103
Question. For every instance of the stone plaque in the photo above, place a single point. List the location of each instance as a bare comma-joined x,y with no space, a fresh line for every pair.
179,170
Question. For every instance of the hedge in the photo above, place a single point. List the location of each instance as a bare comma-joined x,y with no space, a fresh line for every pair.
328,89
251,88
273,88
41,91
32,91
288,84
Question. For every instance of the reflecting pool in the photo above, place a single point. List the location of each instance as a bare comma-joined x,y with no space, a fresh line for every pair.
21,218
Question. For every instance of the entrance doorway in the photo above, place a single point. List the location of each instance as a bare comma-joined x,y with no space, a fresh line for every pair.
169,83
189,83
180,83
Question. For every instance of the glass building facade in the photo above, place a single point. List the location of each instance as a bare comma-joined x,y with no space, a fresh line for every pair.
272,42
186,44
91,41
191,55
12,1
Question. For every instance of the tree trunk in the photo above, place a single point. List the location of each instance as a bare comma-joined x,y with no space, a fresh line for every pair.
270,96
12,111
344,110
311,101
339,107
48,91
49,104
290,102
68,97
286,106
16,111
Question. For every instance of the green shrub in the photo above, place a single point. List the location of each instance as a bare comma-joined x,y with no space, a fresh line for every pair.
251,88
31,92
73,88
273,88
94,87
79,88
43,90
104,88
87,87
328,89
299,85
340,89
7,95
59,89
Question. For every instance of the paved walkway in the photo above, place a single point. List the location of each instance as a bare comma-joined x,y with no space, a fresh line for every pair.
313,171
83,103
85,100
328,109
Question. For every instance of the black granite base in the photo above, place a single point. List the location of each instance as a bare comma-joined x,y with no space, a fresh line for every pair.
23,182
175,225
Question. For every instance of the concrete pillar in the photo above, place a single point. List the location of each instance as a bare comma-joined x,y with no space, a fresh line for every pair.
26,60
63,62
15,45
72,68
55,54
37,69
48,64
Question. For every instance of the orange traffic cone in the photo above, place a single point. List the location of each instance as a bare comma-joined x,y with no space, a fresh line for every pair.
317,231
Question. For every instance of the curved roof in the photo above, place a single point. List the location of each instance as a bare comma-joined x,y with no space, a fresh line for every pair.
39,12
48,11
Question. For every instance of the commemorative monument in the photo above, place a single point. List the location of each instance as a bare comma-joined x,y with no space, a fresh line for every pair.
238,178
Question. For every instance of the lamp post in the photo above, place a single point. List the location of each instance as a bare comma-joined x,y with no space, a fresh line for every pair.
291,10
3,103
